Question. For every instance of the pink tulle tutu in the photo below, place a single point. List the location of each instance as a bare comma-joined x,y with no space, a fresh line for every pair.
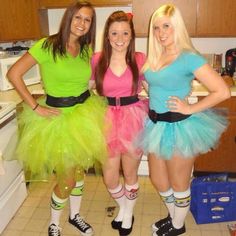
124,124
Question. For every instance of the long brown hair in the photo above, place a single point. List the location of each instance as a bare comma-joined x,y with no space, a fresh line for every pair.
57,42
105,57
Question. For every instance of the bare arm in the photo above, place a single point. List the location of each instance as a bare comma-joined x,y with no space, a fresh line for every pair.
92,84
15,75
218,92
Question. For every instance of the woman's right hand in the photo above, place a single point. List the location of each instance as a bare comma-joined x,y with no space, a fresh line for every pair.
47,111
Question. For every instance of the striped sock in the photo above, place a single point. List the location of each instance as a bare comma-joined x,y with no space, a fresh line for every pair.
169,200
131,193
118,195
57,206
75,198
182,204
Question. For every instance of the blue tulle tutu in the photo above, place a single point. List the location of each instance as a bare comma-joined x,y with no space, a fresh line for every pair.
188,138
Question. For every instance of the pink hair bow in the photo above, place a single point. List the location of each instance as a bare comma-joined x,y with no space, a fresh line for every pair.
130,15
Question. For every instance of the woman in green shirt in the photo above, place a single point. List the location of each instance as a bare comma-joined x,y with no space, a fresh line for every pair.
63,131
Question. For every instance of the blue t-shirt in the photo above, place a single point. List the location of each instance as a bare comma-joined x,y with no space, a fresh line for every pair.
172,80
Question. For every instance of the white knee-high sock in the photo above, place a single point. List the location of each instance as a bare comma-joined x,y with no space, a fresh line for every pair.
57,206
118,194
182,204
75,198
169,200
131,193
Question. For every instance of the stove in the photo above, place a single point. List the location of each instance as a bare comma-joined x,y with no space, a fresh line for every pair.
6,110
12,182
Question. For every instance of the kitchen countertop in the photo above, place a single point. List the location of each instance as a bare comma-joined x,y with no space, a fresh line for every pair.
12,95
200,90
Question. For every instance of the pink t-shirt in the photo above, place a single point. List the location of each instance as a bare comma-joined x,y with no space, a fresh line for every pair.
119,86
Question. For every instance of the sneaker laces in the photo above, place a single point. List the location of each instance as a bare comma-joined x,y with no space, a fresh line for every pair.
54,230
79,220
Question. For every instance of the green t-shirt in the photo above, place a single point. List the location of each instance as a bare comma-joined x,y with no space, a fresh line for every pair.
68,76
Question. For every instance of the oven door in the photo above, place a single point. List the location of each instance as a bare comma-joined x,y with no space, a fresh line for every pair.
9,169
12,183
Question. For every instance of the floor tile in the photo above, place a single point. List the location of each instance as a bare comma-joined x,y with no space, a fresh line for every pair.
99,209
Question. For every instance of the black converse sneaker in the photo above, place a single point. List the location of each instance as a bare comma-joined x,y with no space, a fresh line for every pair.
54,230
161,223
170,230
84,228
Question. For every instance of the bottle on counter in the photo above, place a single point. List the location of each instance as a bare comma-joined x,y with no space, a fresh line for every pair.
229,67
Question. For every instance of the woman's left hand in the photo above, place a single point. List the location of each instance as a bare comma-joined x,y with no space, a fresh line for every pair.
175,104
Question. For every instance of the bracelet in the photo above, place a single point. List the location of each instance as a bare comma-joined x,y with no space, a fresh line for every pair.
35,107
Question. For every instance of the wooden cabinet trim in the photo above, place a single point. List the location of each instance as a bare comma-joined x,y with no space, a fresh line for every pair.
50,4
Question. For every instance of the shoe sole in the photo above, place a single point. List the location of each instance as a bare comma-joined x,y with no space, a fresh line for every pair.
86,234
154,228
83,234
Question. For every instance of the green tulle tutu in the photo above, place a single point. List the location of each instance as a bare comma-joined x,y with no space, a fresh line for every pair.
60,143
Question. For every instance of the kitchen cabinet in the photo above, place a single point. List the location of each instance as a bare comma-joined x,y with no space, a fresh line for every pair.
203,18
19,20
216,18
65,3
143,11
223,158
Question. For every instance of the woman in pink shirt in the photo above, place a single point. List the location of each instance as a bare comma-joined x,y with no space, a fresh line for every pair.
118,77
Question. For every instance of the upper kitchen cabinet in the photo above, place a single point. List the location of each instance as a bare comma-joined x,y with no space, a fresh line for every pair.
19,20
64,3
203,18
216,18
143,10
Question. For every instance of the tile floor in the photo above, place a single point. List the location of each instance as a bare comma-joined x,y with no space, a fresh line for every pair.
33,216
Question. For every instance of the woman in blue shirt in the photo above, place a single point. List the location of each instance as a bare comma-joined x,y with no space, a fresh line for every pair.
177,131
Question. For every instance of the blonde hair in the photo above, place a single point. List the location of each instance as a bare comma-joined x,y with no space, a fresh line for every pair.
182,39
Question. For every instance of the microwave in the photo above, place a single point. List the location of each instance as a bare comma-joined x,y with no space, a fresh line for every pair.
32,76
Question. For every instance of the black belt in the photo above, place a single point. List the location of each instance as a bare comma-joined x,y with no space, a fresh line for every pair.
122,101
167,116
66,101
